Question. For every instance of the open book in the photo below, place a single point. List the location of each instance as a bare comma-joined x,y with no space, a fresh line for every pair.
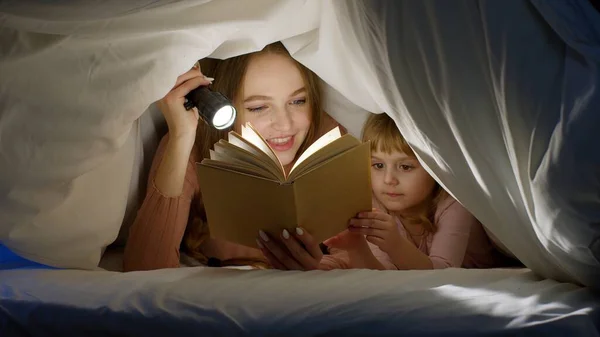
245,188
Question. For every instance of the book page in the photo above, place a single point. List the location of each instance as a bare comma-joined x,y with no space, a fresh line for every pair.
236,139
239,141
238,168
325,154
231,153
320,143
251,135
227,161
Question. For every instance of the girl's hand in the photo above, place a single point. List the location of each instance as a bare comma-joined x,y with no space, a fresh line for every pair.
360,254
347,241
380,229
182,122
296,250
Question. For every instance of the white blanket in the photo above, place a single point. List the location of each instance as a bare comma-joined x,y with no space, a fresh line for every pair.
224,302
497,98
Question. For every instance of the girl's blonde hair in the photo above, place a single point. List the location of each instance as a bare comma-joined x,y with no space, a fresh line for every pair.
382,132
229,77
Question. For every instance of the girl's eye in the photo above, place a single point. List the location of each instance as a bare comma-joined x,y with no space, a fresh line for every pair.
377,166
299,101
257,109
405,167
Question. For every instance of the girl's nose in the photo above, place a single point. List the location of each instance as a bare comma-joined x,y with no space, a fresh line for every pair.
390,178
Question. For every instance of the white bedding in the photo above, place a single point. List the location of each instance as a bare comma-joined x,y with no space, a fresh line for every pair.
76,81
498,98
223,302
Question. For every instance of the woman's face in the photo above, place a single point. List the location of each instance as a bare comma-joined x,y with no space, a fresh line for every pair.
275,102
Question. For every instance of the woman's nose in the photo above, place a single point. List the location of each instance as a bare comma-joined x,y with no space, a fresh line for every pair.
282,120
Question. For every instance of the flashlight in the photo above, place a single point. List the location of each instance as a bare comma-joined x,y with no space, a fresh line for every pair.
214,107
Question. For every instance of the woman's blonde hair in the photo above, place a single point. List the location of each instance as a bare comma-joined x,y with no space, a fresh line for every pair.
384,136
229,77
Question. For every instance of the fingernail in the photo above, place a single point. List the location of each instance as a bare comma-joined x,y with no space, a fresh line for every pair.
299,231
209,78
286,234
260,245
263,236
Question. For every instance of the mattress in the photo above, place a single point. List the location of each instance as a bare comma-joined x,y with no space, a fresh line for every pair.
227,302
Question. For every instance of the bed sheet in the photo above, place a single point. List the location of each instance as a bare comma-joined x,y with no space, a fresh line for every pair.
225,302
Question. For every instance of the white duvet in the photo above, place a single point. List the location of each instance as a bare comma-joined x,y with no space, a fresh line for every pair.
499,99
225,302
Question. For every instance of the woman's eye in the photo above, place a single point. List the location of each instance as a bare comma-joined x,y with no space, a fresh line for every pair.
405,167
299,101
256,109
377,166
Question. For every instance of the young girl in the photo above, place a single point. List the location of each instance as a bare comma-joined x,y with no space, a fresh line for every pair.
415,224
281,98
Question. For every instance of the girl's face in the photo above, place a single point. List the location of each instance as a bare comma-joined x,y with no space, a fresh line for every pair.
275,102
399,182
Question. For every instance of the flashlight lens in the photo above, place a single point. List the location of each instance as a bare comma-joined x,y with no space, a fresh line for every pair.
224,117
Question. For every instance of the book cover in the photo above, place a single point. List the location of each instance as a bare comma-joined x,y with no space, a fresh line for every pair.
245,188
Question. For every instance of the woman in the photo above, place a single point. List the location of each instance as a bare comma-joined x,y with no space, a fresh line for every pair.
282,100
